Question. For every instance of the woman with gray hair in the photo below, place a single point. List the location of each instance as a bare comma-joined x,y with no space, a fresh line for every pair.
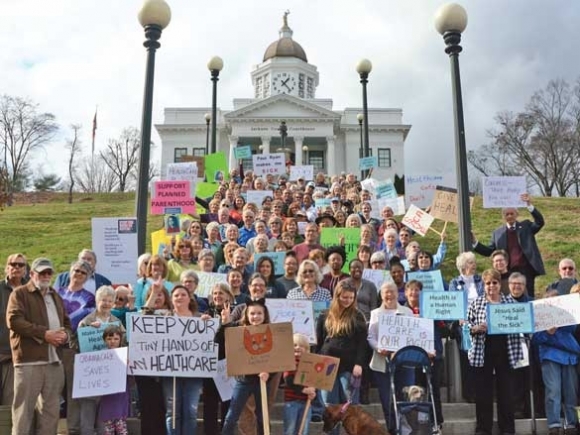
190,280
206,260
308,279
212,240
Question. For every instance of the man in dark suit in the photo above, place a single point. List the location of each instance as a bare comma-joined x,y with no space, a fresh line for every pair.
518,239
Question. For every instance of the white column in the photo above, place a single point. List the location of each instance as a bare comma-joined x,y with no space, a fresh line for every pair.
298,140
233,144
330,156
266,144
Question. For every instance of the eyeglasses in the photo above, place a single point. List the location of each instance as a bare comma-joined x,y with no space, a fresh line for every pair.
305,271
82,272
17,264
567,268
491,283
46,272
516,283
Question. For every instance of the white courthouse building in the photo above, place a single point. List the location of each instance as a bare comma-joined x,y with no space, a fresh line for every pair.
285,90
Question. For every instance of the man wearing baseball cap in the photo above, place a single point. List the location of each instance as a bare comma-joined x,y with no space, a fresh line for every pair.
39,328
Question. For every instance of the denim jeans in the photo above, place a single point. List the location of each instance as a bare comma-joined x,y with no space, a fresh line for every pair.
293,412
560,380
340,393
187,392
244,388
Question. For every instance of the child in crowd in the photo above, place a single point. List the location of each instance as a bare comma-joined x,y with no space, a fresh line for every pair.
114,408
295,396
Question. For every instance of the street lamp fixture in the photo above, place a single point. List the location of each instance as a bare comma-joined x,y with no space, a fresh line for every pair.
451,21
207,118
305,150
154,16
215,65
261,148
364,68
360,118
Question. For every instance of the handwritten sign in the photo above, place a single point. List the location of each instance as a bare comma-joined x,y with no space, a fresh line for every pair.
510,318
296,311
207,280
322,203
255,349
302,227
317,371
438,305
396,332
257,196
265,164
243,152
386,190
420,188
224,383
418,220
277,257
91,338
186,171
331,237
172,197
199,162
396,204
100,373
114,241
368,163
305,172
445,204
172,346
377,276
499,192
431,279
556,311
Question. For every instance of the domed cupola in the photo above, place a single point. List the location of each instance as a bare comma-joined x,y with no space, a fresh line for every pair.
285,46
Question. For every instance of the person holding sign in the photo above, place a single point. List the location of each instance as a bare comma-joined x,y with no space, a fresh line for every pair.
492,354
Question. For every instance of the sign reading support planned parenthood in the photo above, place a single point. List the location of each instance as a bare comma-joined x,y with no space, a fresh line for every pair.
396,332
418,220
170,346
438,305
100,373
296,311
500,192
172,197
265,164
510,318
556,311
431,279
115,244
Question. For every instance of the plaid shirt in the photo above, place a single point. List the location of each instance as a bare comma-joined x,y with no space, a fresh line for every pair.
320,294
476,315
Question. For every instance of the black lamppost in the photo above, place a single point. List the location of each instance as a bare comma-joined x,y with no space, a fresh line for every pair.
215,65
154,16
363,68
207,117
451,21
360,118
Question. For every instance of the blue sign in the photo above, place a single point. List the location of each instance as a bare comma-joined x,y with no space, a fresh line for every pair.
318,307
321,203
91,338
368,163
510,318
277,258
243,152
386,190
172,210
431,279
438,305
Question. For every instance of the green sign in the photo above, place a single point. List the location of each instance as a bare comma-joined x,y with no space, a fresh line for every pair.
333,236
216,167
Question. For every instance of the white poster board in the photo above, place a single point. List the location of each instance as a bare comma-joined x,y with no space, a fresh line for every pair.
418,220
207,280
500,192
257,196
377,277
170,346
556,311
396,204
296,311
305,172
115,244
185,171
100,373
420,188
224,383
396,332
265,164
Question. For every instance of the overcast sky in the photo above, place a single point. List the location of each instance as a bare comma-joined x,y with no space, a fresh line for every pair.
70,56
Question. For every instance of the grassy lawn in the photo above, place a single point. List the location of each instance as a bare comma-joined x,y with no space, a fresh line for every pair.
60,230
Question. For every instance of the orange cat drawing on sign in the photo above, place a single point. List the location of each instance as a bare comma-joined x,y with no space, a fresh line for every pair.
259,342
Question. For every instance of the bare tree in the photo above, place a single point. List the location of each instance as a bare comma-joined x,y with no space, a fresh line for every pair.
122,155
74,147
94,176
22,131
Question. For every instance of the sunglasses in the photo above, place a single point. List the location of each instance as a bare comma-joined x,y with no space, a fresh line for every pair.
305,271
82,272
17,264
46,273
567,268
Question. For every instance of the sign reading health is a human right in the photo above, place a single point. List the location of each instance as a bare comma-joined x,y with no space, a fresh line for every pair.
265,164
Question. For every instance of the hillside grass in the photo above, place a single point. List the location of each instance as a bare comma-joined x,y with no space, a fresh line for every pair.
59,230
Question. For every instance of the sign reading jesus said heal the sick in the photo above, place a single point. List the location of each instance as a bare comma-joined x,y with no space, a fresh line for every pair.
442,305
510,318
172,346
396,332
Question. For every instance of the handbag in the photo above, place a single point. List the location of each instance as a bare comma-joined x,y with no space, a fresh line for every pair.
466,343
525,361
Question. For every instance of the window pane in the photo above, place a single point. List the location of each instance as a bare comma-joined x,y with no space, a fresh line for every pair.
199,152
316,159
178,153
384,157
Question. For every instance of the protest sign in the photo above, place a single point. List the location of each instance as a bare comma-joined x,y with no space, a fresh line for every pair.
317,371
265,164
556,311
91,338
377,277
302,227
257,196
206,282
243,152
224,383
277,258
369,184
172,346
420,188
369,162
396,332
322,202
386,190
445,204
172,225
305,172
318,307
100,373
263,348
500,192
510,318
332,236
431,279
216,167
171,197
296,311
438,305
199,162
418,220
114,241
186,171
206,190
159,240
396,204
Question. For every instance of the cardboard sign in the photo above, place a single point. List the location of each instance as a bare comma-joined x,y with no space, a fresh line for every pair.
254,349
172,346
257,196
438,305
368,163
277,257
298,312
172,197
265,164
420,188
114,241
396,204
446,203
556,311
331,237
418,220
216,167
396,332
317,371
431,279
500,192
91,338
305,172
100,373
386,190
207,280
224,383
243,152
186,171
510,318
377,276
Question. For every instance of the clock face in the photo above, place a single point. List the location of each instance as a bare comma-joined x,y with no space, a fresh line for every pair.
284,83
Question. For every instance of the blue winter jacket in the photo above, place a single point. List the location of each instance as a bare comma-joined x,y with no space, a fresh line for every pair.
560,347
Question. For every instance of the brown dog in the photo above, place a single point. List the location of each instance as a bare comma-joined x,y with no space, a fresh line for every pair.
355,420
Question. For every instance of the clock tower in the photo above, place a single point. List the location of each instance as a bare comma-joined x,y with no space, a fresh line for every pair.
285,69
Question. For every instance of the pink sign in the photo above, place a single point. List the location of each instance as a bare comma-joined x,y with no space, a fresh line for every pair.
172,197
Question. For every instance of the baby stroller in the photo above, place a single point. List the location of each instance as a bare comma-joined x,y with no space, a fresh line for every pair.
415,415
